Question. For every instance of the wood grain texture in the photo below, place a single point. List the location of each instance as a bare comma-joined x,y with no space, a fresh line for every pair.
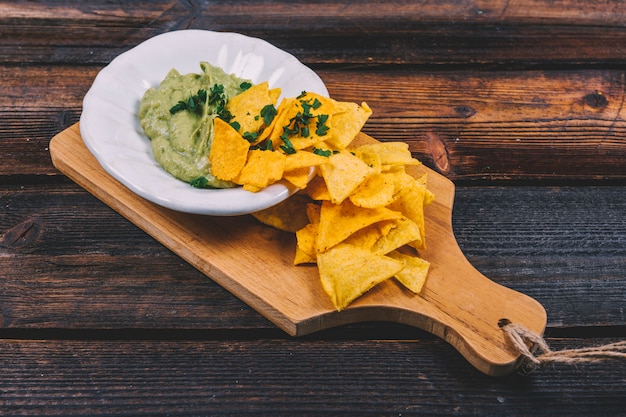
470,126
452,32
283,376
519,102
111,378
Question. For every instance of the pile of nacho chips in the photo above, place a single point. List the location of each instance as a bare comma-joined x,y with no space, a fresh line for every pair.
262,144
366,222
360,217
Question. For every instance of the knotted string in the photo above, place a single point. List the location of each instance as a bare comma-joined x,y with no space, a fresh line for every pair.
540,354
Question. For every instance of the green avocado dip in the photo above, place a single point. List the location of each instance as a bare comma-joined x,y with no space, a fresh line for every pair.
178,116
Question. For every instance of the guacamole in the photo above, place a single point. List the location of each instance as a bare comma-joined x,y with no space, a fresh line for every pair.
178,116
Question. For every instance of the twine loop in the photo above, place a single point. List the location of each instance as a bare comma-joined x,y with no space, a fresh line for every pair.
535,352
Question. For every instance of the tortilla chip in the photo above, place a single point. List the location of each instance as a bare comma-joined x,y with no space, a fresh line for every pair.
299,177
347,272
305,245
274,130
288,215
290,117
303,159
405,232
261,169
347,122
317,189
390,153
299,167
338,221
366,237
413,275
375,191
410,202
313,212
229,151
343,173
246,107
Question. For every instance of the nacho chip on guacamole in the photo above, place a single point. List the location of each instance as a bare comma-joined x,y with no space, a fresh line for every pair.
229,151
249,108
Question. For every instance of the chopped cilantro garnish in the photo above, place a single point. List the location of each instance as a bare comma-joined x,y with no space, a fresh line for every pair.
321,127
236,126
287,146
193,103
322,152
245,85
180,106
224,114
250,136
263,146
268,113
200,182
217,94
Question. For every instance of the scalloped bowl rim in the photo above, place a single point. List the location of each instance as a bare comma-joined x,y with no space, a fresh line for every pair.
110,127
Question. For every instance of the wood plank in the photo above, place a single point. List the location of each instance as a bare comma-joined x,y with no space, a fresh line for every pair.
497,125
541,241
508,34
285,377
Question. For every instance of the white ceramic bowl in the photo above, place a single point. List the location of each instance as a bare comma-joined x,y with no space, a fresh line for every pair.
110,127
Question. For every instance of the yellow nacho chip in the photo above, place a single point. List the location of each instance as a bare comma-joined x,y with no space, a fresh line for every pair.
246,108
299,177
343,173
406,232
338,221
299,167
346,272
366,237
390,153
274,130
317,189
410,202
347,122
313,212
288,215
375,191
229,151
303,159
301,118
305,245
261,169
413,275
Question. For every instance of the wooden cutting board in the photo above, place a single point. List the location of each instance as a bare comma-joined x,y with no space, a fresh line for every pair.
255,263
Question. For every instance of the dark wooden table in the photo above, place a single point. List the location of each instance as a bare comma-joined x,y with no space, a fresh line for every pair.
520,103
